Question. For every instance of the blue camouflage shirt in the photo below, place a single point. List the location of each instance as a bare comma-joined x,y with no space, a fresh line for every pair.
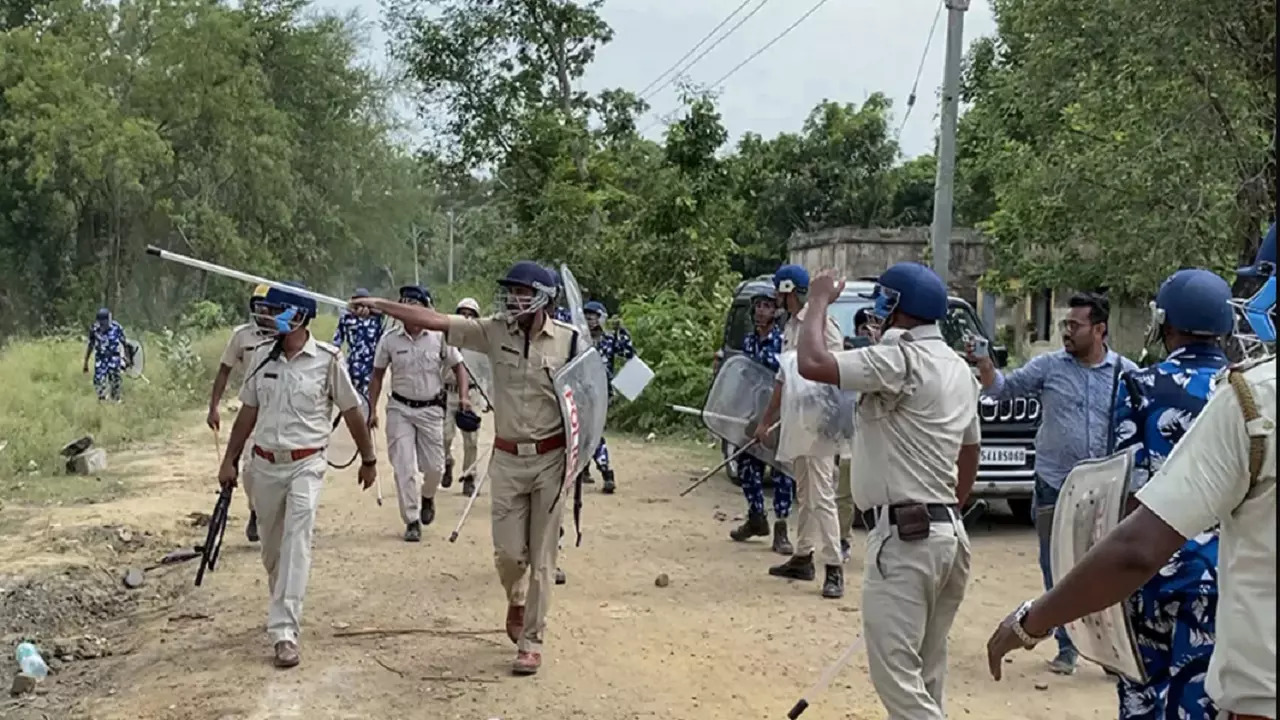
1172,394
562,314
108,350
361,335
764,350
614,345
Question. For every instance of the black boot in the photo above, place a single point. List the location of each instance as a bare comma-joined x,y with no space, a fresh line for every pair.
781,543
251,530
447,479
799,567
468,485
560,578
609,486
755,526
833,585
428,512
413,532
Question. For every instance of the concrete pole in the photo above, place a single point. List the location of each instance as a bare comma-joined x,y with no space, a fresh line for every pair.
450,280
413,229
943,192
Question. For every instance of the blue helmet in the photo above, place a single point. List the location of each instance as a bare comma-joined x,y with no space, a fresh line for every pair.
289,310
1259,310
595,306
910,288
103,314
360,293
1194,301
791,279
529,276
416,293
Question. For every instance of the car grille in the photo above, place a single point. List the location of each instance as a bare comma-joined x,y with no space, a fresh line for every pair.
1017,410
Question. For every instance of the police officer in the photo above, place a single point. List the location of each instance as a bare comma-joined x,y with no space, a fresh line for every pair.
361,329
243,341
416,411
916,450
468,308
815,477
763,345
106,345
1223,471
610,345
287,402
526,347
1173,614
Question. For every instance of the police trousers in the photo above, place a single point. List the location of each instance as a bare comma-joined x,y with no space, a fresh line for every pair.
415,443
468,438
910,594
819,522
526,529
286,496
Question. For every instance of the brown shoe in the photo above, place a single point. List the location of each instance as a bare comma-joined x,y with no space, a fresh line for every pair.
527,663
287,654
515,622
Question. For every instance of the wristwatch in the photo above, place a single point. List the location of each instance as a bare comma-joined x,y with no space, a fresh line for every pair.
1019,617
369,463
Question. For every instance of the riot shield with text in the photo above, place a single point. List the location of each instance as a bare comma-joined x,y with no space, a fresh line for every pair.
582,388
736,402
1090,505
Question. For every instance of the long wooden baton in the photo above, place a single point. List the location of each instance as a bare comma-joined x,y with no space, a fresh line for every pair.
377,479
825,681
453,536
726,461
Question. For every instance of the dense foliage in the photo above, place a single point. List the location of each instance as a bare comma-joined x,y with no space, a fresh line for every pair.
1104,143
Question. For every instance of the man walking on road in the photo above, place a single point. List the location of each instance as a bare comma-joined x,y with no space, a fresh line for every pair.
361,330
468,308
416,358
288,401
106,345
244,340
916,450
1075,386
526,347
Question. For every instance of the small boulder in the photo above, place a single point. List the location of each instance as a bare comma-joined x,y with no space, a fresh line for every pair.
662,580
22,684
89,462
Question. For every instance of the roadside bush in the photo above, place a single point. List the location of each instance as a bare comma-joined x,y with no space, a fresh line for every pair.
678,339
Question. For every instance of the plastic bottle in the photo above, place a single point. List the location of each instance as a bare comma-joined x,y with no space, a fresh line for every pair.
29,659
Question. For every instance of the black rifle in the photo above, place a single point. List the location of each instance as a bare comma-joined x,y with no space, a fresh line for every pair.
213,540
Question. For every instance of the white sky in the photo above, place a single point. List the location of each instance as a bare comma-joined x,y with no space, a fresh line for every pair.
845,51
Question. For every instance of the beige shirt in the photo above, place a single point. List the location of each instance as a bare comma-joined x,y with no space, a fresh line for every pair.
295,398
791,332
525,407
918,405
243,340
1205,481
415,362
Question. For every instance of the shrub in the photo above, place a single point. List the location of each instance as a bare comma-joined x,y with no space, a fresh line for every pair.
677,338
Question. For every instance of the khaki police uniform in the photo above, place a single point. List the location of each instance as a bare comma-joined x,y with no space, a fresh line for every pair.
469,439
243,341
295,400
917,408
528,465
818,520
1207,480
415,412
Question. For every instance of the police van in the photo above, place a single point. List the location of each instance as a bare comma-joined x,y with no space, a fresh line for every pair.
1008,427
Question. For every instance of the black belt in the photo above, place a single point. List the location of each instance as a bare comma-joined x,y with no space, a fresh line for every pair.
938,512
437,401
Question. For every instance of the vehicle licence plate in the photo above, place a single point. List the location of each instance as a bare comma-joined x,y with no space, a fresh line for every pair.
1003,456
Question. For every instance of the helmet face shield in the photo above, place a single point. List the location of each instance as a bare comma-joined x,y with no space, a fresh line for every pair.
1256,329
885,302
517,301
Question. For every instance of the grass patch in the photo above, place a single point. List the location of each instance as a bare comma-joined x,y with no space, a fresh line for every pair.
49,489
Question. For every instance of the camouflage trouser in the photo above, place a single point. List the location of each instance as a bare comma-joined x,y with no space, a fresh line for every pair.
107,383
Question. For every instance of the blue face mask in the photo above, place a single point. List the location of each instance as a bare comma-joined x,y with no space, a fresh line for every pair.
284,321
1258,309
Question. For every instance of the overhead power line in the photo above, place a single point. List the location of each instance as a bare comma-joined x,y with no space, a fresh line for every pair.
715,85
694,49
915,85
703,54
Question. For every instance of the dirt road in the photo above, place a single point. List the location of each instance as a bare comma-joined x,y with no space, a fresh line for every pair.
723,640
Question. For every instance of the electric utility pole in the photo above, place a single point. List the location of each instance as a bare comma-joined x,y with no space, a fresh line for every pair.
943,192
450,281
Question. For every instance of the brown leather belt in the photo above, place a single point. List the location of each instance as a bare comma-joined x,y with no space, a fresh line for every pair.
525,449
278,456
